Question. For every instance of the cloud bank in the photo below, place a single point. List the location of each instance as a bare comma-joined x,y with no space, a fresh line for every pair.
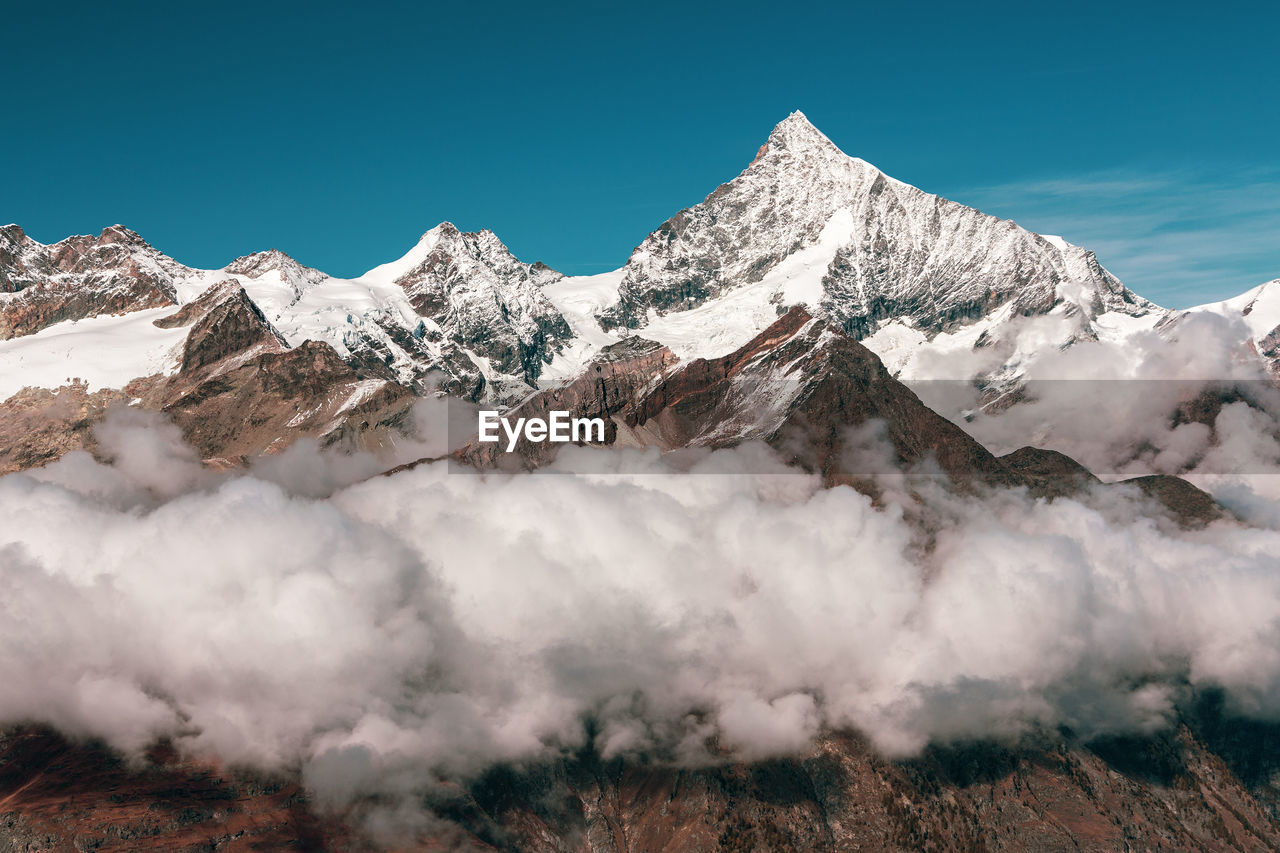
430,623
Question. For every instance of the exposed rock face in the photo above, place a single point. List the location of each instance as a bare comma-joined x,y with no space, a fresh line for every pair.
1189,505
800,386
610,386
80,277
224,321
1048,473
58,795
40,425
242,391
1187,790
896,250
239,391
266,401
805,388
484,299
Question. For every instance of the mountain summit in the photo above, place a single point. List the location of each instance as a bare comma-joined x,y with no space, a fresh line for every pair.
797,135
876,249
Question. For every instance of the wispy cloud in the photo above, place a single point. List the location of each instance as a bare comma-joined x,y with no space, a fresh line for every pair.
1180,237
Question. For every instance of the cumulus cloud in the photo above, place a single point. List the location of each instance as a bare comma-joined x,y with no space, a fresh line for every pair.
429,624
149,462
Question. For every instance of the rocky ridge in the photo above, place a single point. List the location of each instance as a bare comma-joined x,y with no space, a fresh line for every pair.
824,401
1197,788
239,391
113,273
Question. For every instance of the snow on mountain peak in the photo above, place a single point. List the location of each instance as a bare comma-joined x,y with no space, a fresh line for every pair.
907,253
1259,310
797,134
443,230
274,279
795,150
260,263
393,270
81,276
120,234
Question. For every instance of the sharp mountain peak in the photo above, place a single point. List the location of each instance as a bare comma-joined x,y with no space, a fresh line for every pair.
796,143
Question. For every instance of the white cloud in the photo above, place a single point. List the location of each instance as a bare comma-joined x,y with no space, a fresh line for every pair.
432,622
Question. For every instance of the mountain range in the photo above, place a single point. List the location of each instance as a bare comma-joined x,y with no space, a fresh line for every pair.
795,306
914,276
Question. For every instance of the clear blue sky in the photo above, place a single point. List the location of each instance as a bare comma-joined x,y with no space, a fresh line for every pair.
340,132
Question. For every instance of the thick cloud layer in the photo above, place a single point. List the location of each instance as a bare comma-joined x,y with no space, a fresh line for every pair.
432,622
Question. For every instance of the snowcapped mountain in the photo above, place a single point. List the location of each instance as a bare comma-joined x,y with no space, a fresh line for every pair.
807,224
936,289
274,264
892,251
824,401
473,291
458,312
788,308
80,277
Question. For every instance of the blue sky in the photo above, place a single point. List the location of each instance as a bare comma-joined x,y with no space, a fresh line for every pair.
340,132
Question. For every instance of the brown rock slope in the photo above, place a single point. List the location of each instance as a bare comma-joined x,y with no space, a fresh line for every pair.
56,795
1173,792
800,386
804,387
609,388
1169,794
37,425
239,391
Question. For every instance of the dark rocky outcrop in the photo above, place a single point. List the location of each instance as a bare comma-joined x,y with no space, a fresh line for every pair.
57,794
224,321
1047,792
1188,504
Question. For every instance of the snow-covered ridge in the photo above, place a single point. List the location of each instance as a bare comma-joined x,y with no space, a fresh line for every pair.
938,289
919,278
457,311
1258,309
456,308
